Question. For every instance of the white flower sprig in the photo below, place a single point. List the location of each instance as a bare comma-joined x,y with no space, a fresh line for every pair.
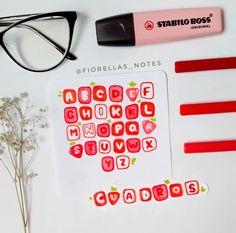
19,122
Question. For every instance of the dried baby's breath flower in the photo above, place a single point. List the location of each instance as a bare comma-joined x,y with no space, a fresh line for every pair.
19,123
23,95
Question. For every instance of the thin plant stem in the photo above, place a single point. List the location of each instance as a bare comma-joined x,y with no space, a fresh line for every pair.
9,152
9,172
21,178
30,160
22,196
19,201
25,204
24,209
17,193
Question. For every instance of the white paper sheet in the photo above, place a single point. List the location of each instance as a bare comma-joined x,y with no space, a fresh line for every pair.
110,131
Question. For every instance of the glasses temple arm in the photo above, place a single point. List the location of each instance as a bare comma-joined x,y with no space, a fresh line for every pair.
69,55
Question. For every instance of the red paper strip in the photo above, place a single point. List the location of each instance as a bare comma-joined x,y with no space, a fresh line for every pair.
208,108
205,64
212,146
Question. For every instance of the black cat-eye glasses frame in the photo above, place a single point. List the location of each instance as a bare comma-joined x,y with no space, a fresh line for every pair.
21,20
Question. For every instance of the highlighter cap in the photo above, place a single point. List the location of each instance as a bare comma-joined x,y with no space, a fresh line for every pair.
116,30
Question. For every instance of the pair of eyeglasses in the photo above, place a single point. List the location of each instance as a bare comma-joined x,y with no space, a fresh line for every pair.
38,42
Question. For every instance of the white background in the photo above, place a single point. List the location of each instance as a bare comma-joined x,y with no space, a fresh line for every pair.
212,213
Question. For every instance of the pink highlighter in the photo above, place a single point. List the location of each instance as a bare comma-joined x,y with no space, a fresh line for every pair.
159,26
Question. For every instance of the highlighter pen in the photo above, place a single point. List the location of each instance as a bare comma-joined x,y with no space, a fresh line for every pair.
159,26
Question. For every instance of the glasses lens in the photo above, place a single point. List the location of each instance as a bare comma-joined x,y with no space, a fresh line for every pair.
39,44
